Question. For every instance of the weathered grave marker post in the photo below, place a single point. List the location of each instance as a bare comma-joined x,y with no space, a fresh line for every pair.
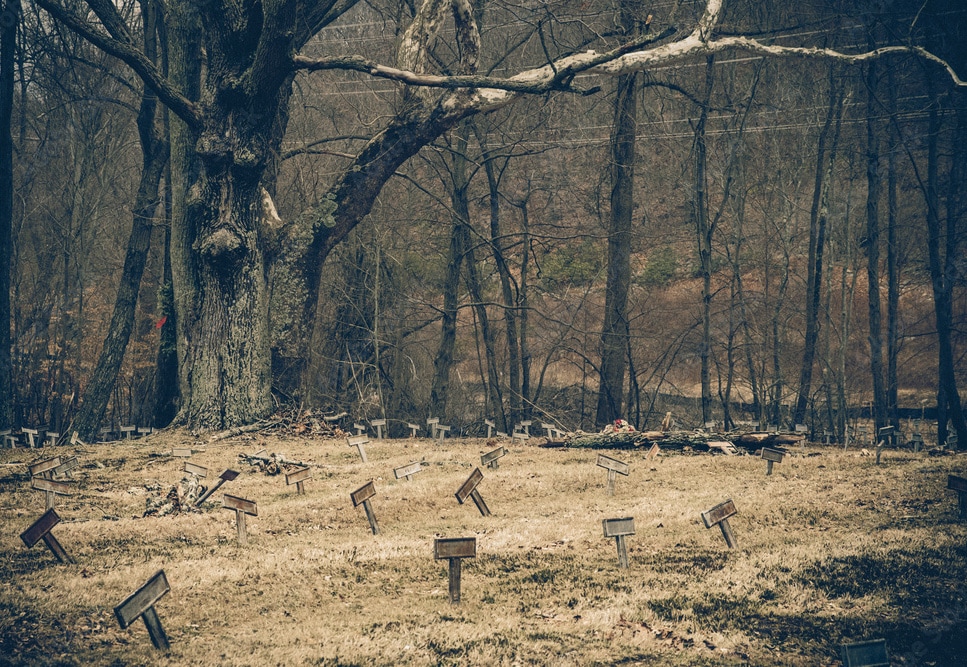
548,430
76,439
361,496
140,604
226,476
408,470
182,452
526,425
40,530
870,653
885,435
618,529
33,436
653,452
358,441
298,477
414,428
144,431
959,484
490,427
378,424
9,440
50,487
518,435
490,458
241,507
360,428
827,437
43,468
614,468
771,456
66,467
455,550
917,441
53,438
469,489
431,426
720,515
128,431
194,469
441,431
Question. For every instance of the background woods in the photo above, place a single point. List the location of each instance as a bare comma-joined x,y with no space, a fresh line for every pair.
722,231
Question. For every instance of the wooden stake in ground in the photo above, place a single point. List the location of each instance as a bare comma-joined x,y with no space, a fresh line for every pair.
490,458
720,515
618,529
140,604
455,550
361,496
614,468
297,477
886,435
408,470
771,456
378,424
40,530
51,488
870,653
226,476
358,441
959,484
469,489
241,507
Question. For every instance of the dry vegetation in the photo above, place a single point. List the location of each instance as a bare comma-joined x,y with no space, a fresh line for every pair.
831,549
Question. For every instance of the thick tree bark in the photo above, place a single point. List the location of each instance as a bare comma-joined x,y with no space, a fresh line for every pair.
9,19
703,232
154,150
614,334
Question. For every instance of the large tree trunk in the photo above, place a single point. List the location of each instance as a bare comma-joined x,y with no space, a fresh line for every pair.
154,150
614,334
9,18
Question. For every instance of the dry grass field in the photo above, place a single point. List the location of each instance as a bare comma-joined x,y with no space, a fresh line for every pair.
831,549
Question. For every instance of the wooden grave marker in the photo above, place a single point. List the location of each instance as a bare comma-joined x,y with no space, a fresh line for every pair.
408,470
194,469
519,435
66,467
548,430
455,549
76,439
870,653
489,423
469,489
827,437
959,484
361,496
414,429
128,431
441,431
44,468
140,604
378,424
360,428
917,439
614,468
771,456
227,476
33,436
619,529
885,435
241,507
526,425
298,477
490,458
182,452
144,431
52,438
723,446
40,530
431,426
51,488
653,452
720,515
358,441
9,440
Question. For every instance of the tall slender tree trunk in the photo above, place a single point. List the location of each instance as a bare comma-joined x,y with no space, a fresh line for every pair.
614,335
873,187
703,230
892,271
154,150
819,214
9,20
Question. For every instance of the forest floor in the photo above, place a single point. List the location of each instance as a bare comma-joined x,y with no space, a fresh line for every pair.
831,549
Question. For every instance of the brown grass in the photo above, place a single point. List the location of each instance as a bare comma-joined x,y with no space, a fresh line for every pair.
831,549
